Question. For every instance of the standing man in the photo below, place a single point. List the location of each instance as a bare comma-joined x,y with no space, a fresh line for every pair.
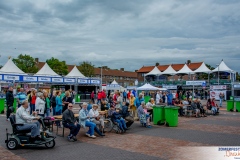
69,121
21,96
221,98
158,98
9,101
124,96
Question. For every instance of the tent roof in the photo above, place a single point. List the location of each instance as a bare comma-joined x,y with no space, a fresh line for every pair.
185,70
75,73
155,71
222,68
114,82
11,68
148,87
203,68
46,71
169,70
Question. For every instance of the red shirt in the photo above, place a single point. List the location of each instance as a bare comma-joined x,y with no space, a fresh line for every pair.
115,97
99,95
33,101
103,95
92,95
128,95
213,104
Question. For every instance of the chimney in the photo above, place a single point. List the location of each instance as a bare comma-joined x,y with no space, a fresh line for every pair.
122,69
157,64
36,60
188,61
136,70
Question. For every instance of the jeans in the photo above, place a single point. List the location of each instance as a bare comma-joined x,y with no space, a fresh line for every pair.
214,109
220,102
121,123
32,108
54,111
47,114
74,129
92,127
35,128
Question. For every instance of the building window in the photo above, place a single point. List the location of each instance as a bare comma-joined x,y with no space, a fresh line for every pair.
143,74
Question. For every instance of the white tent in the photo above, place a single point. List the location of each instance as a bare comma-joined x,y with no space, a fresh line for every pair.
115,86
155,71
11,68
114,82
170,71
222,68
46,71
75,73
185,70
203,68
149,87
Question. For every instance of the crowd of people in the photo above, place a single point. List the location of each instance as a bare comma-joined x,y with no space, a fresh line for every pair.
123,108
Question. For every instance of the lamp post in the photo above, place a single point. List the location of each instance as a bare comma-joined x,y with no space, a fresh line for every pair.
218,72
193,88
101,77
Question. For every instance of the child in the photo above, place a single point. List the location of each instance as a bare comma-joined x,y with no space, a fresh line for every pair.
117,118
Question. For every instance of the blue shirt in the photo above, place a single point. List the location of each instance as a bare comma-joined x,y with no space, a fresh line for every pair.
58,104
89,107
21,96
124,94
138,102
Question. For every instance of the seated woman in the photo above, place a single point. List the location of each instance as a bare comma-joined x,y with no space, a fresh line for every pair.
143,115
85,122
200,107
95,117
196,111
215,108
126,115
209,105
149,106
117,118
178,103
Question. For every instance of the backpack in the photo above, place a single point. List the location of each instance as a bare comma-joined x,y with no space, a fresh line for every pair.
142,118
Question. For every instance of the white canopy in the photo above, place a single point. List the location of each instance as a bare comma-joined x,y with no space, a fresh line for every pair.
114,82
170,71
11,68
155,71
149,87
46,71
185,70
222,68
203,68
75,73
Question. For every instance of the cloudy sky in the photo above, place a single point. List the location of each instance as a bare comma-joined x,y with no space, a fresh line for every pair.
126,34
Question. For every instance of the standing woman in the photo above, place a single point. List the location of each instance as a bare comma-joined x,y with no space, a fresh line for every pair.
59,106
119,101
132,106
40,104
32,100
47,104
92,96
66,100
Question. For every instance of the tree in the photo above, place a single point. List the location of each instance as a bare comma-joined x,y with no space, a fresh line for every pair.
26,63
237,77
57,66
1,66
86,68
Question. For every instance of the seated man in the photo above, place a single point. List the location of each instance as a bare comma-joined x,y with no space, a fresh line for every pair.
23,117
200,107
95,116
178,103
69,121
117,117
195,109
126,115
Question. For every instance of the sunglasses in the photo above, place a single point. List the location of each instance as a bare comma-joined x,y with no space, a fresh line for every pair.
70,106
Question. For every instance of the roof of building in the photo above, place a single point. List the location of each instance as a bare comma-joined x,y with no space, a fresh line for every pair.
97,71
176,67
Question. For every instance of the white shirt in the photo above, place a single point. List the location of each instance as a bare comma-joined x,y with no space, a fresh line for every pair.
22,116
93,113
185,103
149,105
40,105
157,98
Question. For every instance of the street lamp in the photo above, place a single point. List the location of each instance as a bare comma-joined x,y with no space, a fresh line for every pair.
193,88
101,77
218,72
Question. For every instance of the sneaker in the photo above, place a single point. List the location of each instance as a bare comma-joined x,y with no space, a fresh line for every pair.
74,138
149,126
8,119
87,134
92,136
70,139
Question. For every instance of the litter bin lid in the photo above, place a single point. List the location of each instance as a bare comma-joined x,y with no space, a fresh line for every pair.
159,106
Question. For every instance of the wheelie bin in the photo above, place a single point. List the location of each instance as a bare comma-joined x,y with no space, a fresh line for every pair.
158,115
171,115
2,103
230,105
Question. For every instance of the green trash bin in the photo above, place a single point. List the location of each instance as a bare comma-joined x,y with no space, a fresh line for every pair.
158,114
77,98
230,105
2,104
171,115
146,99
15,105
231,98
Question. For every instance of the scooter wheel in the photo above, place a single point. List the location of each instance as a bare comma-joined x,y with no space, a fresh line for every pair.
12,144
50,144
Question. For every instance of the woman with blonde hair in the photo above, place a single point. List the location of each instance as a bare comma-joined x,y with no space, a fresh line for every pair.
132,106
66,100
32,100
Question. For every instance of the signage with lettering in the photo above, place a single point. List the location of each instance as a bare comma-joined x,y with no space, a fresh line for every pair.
83,81
29,79
195,83
236,85
44,79
1,77
69,80
57,80
11,78
218,87
95,81
170,86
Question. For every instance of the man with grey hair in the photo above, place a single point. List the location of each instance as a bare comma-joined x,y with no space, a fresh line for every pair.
21,96
23,117
138,100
